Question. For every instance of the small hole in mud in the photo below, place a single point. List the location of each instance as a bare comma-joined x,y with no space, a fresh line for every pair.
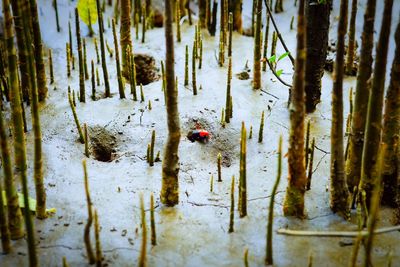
102,143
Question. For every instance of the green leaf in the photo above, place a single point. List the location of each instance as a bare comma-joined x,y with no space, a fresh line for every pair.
283,56
86,7
272,59
279,72
32,203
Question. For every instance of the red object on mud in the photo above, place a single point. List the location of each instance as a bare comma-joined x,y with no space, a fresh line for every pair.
198,135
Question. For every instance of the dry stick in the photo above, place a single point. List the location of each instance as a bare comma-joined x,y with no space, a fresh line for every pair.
85,67
38,50
257,48
194,84
68,60
142,254
186,66
278,6
86,140
228,93
141,93
152,222
55,5
71,52
269,254
230,28
260,132
307,148
362,233
177,20
201,55
102,48
110,51
144,24
137,26
133,75
119,74
354,254
242,181
99,256
78,126
64,262
278,33
153,140
96,47
93,82
291,23
232,210
91,32
86,235
246,257
97,77
310,166
352,41
82,96
374,203
51,67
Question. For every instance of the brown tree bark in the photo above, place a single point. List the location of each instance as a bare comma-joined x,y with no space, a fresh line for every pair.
338,189
125,35
294,200
356,142
170,163
391,130
317,47
38,49
373,126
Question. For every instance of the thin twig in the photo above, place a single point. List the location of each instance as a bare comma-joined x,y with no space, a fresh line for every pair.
337,233
278,33
276,75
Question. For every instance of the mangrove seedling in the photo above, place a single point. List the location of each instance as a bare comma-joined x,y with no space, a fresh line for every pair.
86,234
152,222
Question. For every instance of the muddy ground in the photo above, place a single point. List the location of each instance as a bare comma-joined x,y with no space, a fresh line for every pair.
194,233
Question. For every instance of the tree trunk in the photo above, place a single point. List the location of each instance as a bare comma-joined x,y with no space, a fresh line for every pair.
294,199
391,129
356,142
352,40
317,48
14,212
22,53
373,127
18,134
257,48
339,191
237,14
170,166
37,40
125,35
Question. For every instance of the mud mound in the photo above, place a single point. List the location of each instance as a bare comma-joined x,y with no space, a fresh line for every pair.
102,143
146,70
222,140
